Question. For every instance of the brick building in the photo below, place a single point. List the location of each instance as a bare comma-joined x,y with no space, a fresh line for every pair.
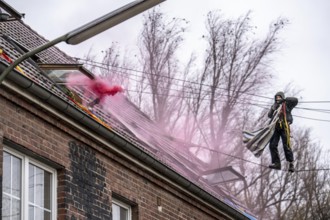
61,161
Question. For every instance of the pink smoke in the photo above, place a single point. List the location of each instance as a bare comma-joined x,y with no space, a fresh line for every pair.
98,87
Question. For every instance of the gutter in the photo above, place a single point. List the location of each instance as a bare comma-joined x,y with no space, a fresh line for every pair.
58,107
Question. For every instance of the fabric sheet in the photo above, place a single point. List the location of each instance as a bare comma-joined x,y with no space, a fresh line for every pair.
257,140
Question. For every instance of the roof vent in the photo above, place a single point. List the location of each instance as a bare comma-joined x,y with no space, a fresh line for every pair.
13,14
3,16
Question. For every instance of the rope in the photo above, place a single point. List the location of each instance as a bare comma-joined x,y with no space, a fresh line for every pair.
286,125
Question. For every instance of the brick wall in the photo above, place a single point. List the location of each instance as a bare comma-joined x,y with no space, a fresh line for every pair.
91,174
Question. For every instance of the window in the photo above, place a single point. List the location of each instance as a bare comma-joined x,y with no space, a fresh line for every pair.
58,72
29,188
222,175
121,211
11,194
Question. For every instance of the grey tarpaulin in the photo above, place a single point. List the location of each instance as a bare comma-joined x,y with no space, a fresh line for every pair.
256,141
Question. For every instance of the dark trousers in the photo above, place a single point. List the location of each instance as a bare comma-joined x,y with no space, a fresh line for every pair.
94,102
273,145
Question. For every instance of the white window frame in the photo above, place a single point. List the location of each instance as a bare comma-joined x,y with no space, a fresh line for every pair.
26,160
123,205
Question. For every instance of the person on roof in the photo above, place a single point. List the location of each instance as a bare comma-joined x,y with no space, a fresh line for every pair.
102,89
282,130
98,87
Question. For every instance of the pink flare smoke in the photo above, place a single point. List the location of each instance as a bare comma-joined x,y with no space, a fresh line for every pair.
98,86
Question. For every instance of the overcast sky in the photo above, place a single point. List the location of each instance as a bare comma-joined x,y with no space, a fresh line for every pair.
304,59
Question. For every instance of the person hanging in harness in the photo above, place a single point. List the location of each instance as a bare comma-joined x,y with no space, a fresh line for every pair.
282,130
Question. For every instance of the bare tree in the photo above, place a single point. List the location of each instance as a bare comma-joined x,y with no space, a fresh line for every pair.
283,195
159,43
113,65
118,68
314,187
235,70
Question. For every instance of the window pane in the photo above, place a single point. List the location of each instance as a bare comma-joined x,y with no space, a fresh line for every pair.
16,209
31,212
40,186
11,195
12,175
47,215
5,207
6,173
115,212
16,176
119,212
39,213
123,213
31,183
47,190
11,208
